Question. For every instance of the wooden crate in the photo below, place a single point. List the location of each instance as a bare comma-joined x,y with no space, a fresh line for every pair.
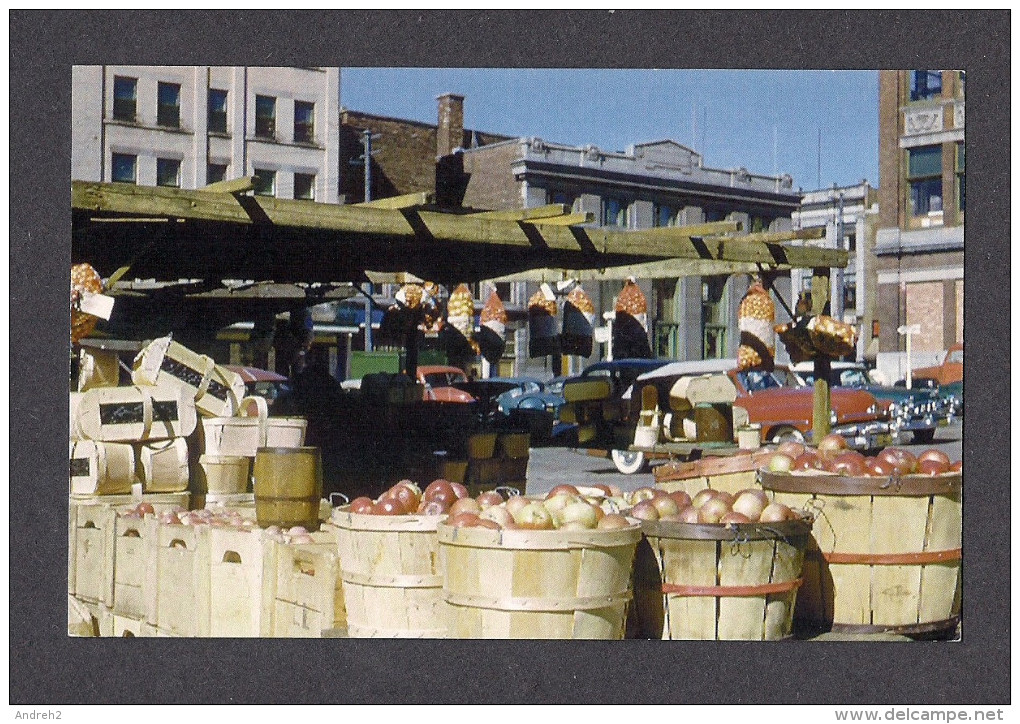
481,446
720,583
513,445
83,619
90,554
309,597
536,584
178,585
242,580
885,555
389,567
134,548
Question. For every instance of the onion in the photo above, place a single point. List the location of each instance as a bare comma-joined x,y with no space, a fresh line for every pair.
849,462
431,507
459,490
713,510
514,504
486,523
362,505
644,511
613,521
465,505
780,463
498,514
143,509
534,516
407,496
681,498
436,485
902,461
489,499
791,449
929,466
809,461
831,445
774,513
581,513
689,514
563,489
643,493
388,506
878,467
702,497
302,539
463,520
956,467
665,505
749,505
735,518
933,454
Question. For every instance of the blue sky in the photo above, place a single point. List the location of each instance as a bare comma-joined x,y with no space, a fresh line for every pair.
766,121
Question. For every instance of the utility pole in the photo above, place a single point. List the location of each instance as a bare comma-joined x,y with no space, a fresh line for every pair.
366,159
837,292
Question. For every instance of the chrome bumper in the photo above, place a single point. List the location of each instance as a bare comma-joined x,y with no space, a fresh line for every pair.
866,435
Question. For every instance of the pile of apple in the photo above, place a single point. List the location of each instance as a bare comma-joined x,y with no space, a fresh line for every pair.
832,456
563,508
709,507
407,498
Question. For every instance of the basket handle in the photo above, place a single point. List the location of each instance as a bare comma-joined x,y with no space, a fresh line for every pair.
339,495
262,410
146,412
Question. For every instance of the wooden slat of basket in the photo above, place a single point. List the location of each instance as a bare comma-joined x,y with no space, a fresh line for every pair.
786,563
844,526
939,583
898,526
133,550
691,562
745,564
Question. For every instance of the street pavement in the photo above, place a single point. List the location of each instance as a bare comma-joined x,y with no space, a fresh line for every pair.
552,466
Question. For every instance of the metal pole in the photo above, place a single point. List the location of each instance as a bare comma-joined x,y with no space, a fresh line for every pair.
366,139
837,292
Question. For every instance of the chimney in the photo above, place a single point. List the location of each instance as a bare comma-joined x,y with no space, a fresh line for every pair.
450,133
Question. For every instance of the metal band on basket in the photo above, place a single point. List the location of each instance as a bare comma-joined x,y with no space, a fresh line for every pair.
763,589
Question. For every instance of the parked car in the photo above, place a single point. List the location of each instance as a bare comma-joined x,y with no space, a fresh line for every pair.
440,381
524,403
917,411
947,375
263,383
784,406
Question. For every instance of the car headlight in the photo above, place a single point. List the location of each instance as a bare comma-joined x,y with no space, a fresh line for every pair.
872,409
895,410
833,418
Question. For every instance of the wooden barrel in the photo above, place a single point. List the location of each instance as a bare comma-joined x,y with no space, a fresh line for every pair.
389,567
537,584
729,474
885,553
288,486
725,582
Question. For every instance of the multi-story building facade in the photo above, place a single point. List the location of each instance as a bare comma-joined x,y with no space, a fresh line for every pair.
922,197
190,126
849,215
649,185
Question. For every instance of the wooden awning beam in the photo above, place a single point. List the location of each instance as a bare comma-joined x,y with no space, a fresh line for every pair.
232,186
537,212
565,220
406,201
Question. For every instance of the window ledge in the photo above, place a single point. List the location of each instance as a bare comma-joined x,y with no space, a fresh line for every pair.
220,134
146,127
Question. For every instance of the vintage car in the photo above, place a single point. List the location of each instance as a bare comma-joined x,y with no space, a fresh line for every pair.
946,376
440,381
784,406
915,411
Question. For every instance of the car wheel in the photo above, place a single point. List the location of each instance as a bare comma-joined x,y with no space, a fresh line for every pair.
628,462
923,436
786,433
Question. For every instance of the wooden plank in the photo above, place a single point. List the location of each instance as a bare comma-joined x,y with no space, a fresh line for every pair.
776,237
693,563
898,526
402,225
405,201
538,212
749,563
565,220
232,186
939,582
845,527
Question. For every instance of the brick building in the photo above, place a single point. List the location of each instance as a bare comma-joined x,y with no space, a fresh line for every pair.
922,194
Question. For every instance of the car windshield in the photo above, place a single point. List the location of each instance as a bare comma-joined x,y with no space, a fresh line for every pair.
754,380
955,356
854,378
443,379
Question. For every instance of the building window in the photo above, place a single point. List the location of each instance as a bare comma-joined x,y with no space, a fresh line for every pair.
215,172
614,212
714,313
304,122
924,172
124,98
304,186
123,168
851,242
168,111
168,172
925,84
961,178
265,182
664,215
217,111
265,117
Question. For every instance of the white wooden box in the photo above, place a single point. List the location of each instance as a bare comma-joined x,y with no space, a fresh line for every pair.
178,585
242,583
90,554
134,548
309,592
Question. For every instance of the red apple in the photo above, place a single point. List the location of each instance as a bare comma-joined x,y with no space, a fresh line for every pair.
713,510
665,505
644,511
831,445
613,521
562,489
791,448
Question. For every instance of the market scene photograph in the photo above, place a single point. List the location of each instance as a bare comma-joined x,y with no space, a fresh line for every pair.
352,361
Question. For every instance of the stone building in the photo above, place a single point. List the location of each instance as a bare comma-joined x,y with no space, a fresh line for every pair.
189,126
922,197
849,215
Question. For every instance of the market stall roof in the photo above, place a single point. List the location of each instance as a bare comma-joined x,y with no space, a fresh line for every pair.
167,233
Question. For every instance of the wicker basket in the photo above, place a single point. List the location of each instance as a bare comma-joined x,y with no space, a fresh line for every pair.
518,584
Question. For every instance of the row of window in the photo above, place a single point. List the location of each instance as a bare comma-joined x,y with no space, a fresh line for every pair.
616,212
124,169
924,174
168,110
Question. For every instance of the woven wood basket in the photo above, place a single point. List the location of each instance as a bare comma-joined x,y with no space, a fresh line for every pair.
724,583
886,552
389,566
517,584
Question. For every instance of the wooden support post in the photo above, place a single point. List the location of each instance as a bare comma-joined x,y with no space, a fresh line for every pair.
820,424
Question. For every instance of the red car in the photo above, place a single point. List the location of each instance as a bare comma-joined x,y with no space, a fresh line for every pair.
439,381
